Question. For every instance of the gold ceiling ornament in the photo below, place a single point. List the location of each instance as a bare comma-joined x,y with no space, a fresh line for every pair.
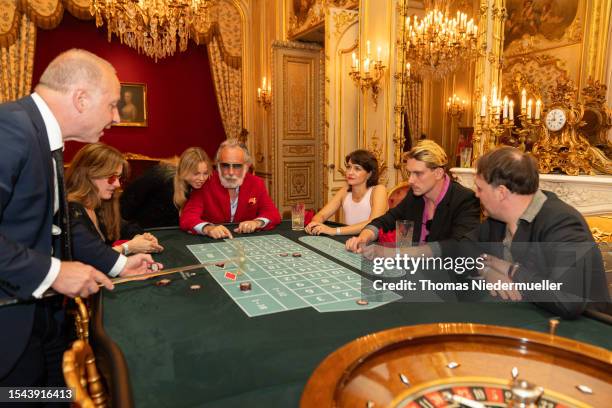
441,41
155,28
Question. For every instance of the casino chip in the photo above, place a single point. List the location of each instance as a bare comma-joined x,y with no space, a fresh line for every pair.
284,254
296,254
195,287
220,264
163,282
362,302
245,286
154,267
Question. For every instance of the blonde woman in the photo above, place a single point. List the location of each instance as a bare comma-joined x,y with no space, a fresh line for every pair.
362,199
92,179
156,198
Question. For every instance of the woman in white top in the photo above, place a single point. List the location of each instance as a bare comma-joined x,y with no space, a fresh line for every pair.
362,200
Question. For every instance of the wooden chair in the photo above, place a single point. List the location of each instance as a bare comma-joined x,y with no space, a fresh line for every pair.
81,374
397,194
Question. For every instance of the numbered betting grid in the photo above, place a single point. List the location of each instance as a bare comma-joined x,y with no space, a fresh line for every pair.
281,281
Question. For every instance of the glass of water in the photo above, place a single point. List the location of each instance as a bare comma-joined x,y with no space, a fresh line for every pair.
297,217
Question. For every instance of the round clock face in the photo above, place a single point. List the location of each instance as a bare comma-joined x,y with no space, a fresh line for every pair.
555,119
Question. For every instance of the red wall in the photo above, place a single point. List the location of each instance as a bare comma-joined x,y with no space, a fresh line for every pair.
181,103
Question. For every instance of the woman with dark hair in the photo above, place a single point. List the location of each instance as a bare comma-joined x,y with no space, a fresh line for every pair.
91,180
362,199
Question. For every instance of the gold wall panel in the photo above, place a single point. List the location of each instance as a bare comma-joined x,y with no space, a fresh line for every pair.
298,107
299,182
298,150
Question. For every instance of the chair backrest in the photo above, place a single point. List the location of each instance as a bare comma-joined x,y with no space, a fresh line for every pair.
397,193
81,374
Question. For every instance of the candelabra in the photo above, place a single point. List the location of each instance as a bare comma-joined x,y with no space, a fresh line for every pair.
371,76
497,120
455,107
264,95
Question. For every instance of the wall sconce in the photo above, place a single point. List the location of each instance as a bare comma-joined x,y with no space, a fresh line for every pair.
403,77
455,107
371,75
264,94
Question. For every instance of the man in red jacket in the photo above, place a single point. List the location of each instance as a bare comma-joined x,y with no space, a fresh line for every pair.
231,195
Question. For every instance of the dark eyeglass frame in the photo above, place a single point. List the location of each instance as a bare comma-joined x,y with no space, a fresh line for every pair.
114,177
235,166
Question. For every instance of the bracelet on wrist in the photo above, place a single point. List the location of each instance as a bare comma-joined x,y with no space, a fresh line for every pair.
126,248
338,231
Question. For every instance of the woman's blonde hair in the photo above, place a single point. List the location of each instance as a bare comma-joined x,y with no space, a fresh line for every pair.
188,163
96,161
430,153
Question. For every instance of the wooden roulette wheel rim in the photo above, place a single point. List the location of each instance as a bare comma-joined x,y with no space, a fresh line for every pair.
383,368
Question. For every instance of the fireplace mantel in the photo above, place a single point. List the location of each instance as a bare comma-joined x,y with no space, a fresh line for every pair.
591,195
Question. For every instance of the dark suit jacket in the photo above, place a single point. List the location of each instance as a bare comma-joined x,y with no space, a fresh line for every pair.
26,216
457,214
148,200
557,245
211,203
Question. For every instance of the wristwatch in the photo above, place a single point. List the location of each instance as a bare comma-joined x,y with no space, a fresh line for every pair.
337,230
126,248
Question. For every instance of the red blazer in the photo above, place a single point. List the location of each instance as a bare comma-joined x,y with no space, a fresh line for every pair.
211,203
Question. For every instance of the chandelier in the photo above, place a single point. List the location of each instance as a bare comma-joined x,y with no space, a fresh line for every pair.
438,44
153,27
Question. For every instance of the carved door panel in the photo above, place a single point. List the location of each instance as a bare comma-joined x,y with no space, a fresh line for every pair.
298,125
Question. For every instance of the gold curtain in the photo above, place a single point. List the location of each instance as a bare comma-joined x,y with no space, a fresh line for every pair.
17,61
228,87
18,25
414,109
224,43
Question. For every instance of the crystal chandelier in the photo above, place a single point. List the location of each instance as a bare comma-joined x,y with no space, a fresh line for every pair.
438,44
152,26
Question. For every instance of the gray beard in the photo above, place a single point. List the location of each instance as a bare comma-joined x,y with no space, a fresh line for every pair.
231,184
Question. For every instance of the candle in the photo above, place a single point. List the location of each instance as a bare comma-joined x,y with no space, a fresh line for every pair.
511,110
258,93
505,107
408,69
378,53
263,83
494,96
366,65
529,104
483,107
538,108
354,64
523,99
368,47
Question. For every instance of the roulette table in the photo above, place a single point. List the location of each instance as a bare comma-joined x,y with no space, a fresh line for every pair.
171,346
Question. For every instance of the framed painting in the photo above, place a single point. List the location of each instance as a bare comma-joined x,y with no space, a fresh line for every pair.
133,104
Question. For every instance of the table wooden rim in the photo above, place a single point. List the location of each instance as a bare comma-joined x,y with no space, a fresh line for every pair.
323,384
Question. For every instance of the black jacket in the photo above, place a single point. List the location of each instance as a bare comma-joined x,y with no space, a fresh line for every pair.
557,246
457,214
148,200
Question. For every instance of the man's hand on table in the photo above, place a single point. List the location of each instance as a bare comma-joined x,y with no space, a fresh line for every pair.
246,227
77,279
217,231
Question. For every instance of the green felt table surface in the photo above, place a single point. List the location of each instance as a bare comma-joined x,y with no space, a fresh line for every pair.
188,348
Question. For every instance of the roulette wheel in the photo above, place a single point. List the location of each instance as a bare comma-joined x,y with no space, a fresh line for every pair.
462,365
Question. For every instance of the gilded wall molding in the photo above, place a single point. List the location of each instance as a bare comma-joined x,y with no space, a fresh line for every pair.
306,15
342,21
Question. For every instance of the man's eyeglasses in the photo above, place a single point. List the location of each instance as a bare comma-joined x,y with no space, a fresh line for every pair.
235,166
111,179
